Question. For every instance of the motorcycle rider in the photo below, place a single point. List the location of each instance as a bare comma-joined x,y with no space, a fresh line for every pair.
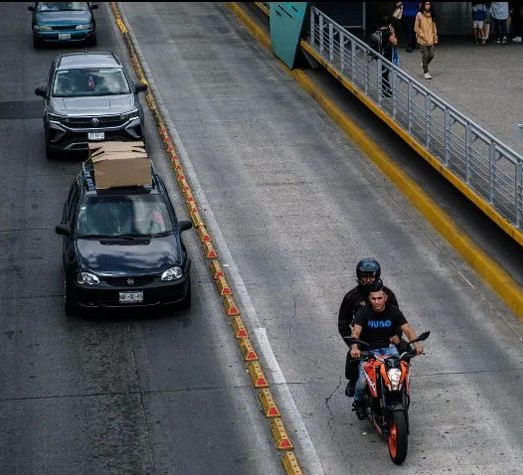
368,270
376,324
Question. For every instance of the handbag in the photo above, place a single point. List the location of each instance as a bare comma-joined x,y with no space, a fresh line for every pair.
398,13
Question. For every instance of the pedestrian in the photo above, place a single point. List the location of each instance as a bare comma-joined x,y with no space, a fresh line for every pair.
486,24
499,16
426,35
389,41
516,25
479,10
410,10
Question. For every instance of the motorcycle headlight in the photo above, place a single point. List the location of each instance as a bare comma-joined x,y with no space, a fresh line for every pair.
172,273
42,28
87,278
87,26
394,377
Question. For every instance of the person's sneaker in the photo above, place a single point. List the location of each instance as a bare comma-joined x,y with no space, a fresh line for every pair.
358,407
427,76
516,39
483,41
498,41
350,389
504,41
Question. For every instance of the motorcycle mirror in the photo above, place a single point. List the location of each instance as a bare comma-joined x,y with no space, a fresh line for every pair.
421,337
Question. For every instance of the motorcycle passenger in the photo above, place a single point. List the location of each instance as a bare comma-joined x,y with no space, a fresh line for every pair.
376,324
368,270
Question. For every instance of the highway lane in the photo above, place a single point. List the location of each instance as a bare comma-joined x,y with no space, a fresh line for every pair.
137,393
296,205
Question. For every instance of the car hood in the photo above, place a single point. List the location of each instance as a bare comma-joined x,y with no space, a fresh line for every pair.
63,18
94,105
133,257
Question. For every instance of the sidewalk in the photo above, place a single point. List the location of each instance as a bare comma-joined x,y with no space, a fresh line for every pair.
485,83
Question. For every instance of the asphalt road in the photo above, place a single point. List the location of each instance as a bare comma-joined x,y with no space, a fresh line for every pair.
293,205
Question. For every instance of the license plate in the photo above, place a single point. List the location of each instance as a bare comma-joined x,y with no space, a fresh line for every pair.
96,135
131,297
64,36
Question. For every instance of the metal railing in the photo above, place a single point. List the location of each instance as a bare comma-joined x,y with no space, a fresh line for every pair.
487,166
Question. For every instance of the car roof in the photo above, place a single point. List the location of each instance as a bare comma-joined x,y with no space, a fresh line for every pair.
88,60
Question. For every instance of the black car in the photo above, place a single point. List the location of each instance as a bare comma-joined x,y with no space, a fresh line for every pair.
88,97
63,23
122,247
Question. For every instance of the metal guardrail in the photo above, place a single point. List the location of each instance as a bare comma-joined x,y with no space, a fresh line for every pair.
487,166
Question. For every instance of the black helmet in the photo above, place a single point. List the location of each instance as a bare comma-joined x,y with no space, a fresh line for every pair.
368,266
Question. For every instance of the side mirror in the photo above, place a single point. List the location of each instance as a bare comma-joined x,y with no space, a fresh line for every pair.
139,87
31,8
63,230
185,225
40,91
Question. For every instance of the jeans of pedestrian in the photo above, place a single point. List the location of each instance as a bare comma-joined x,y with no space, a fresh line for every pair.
361,384
499,28
427,55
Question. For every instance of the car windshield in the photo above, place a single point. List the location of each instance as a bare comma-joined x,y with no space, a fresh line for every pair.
90,82
129,215
61,6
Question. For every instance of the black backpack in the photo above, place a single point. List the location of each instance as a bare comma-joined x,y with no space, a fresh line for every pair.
376,41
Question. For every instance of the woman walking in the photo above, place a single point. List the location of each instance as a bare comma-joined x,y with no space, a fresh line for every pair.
426,35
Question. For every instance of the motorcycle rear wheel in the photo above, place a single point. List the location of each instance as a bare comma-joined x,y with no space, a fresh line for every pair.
398,437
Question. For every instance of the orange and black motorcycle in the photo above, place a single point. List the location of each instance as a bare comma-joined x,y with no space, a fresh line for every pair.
387,396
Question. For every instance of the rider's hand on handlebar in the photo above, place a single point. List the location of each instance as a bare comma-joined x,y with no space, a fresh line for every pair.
419,348
355,352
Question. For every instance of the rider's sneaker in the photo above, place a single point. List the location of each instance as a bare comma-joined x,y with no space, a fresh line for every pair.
350,389
360,409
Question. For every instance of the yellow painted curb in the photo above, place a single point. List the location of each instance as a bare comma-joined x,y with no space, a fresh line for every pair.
247,349
290,464
280,434
230,306
258,378
239,328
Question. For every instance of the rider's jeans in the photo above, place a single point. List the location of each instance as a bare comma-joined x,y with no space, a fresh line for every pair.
361,384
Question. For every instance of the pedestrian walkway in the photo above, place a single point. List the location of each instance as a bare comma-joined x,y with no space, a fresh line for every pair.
485,83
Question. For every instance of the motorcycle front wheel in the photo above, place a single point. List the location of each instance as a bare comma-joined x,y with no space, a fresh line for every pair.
398,438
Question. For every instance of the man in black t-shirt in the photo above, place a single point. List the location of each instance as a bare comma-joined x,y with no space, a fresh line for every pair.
375,324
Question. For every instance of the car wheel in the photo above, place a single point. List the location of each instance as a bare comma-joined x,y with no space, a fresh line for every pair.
37,43
50,153
71,307
186,302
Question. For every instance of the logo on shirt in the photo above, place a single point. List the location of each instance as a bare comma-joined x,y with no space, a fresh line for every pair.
379,323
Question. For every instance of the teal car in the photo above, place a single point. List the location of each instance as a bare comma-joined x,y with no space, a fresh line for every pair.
63,22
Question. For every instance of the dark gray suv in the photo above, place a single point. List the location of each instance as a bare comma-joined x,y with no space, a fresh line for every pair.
89,97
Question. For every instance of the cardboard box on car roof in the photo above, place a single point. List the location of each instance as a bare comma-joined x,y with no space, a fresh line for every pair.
119,164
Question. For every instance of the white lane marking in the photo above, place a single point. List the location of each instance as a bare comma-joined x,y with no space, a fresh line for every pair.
308,457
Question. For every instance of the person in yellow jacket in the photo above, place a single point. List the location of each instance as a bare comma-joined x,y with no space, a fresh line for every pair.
426,35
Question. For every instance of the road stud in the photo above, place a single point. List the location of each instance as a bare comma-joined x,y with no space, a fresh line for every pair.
267,402
248,351
290,464
280,435
258,378
239,328
208,248
201,230
196,218
223,286
230,306
216,269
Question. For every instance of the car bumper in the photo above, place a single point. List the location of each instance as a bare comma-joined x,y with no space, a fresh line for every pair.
63,138
155,294
63,36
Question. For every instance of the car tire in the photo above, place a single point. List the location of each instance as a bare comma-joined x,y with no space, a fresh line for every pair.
37,44
70,305
186,302
50,153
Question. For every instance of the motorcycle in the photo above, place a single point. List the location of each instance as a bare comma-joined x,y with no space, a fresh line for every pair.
387,396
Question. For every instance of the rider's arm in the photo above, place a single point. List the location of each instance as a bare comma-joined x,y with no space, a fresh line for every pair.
354,350
411,335
345,316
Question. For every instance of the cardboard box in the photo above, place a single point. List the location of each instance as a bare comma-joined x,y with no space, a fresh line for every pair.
119,164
